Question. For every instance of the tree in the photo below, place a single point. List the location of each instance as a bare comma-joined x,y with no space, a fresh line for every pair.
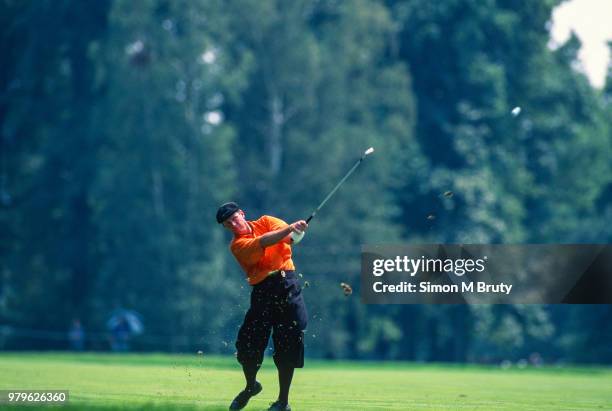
48,161
321,91
166,165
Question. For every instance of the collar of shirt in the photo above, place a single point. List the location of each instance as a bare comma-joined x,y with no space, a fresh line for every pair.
249,234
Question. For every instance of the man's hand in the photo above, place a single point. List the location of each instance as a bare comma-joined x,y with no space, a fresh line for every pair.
297,231
299,226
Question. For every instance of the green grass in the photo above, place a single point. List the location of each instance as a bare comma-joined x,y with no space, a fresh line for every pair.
107,382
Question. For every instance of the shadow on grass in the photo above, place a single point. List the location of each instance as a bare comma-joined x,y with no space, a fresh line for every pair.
142,359
228,362
123,407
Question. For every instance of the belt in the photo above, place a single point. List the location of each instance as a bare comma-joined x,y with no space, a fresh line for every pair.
282,273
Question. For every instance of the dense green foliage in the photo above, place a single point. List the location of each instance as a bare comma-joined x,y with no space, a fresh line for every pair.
181,383
123,125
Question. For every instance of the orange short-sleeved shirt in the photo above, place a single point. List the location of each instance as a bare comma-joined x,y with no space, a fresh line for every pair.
257,261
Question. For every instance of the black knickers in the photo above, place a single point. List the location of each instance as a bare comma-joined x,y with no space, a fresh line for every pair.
277,306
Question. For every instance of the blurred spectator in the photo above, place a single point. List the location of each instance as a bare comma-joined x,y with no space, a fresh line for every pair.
120,336
123,324
535,359
76,336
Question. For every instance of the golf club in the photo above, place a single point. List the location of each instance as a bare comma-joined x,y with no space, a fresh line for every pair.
297,237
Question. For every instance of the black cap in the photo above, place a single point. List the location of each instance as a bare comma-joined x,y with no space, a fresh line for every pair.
226,211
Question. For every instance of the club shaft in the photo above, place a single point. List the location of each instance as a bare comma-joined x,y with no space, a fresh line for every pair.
331,193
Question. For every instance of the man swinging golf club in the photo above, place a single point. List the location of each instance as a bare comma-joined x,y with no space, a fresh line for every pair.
263,250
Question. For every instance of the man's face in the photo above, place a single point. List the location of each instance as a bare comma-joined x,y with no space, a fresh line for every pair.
237,224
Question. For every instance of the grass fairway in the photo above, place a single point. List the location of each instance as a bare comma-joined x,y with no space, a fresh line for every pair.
180,382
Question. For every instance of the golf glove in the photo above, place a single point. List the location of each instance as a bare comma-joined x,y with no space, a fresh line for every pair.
297,236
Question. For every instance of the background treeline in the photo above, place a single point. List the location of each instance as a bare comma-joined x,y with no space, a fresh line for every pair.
124,124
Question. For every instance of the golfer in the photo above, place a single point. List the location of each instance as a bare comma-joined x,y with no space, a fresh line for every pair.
263,250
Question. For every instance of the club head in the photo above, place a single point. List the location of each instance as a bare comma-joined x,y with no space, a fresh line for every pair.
369,151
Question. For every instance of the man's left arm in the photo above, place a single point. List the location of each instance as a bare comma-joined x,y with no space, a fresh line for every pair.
280,231
277,224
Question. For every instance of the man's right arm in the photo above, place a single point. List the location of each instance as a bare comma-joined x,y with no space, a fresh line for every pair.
279,235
